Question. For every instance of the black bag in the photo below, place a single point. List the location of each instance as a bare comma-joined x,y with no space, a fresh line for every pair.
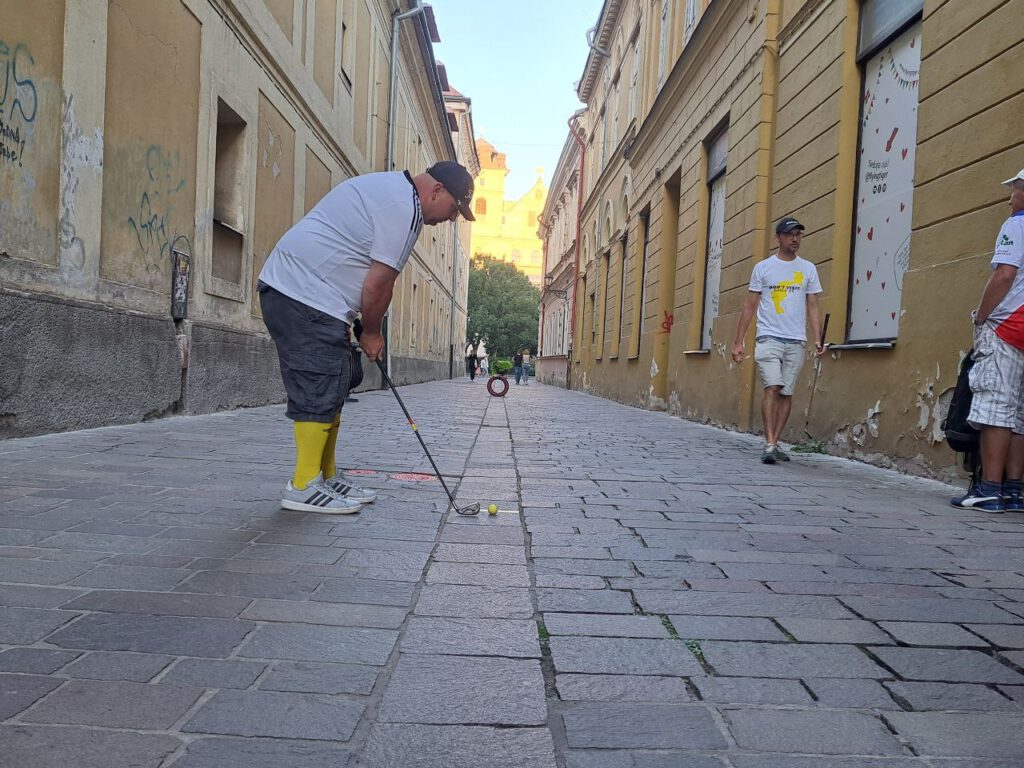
961,436
357,357
357,368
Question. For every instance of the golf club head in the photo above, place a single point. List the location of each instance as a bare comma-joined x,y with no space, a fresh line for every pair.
469,509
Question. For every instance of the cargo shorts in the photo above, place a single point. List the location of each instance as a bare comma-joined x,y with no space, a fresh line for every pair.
779,362
997,382
315,354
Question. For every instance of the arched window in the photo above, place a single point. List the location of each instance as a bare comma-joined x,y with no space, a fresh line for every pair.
481,206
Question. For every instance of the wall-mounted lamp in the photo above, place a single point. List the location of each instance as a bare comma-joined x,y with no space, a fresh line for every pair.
548,279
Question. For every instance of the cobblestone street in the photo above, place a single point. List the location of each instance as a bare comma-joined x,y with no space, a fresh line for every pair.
648,596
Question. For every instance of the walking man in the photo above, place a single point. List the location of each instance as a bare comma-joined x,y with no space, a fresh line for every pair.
997,378
517,365
784,292
340,259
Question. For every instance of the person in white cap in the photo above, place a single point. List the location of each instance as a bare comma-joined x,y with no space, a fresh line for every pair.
783,293
997,378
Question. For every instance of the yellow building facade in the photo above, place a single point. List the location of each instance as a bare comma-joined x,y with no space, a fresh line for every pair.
885,127
504,229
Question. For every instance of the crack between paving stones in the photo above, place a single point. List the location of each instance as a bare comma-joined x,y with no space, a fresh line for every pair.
555,724
359,740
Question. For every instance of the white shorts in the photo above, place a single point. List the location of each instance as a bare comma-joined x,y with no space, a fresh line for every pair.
997,381
779,363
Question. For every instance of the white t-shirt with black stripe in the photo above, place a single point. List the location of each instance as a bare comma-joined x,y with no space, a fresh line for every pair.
323,260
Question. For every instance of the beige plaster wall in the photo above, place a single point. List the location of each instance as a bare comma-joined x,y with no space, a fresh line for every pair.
318,180
283,12
31,60
149,177
275,183
325,36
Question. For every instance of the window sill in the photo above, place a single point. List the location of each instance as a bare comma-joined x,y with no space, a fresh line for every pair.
225,289
863,345
696,352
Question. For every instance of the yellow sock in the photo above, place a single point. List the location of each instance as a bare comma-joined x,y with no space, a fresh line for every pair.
327,465
310,437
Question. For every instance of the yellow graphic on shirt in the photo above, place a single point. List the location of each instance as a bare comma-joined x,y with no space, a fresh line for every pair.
780,291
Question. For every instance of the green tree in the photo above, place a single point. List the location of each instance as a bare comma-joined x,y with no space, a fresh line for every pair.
503,307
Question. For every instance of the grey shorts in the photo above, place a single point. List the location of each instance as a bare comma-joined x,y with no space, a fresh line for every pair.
779,363
315,355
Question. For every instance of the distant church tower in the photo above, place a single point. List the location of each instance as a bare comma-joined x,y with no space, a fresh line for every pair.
507,229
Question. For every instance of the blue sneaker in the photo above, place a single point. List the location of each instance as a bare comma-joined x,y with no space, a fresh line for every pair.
1013,499
984,497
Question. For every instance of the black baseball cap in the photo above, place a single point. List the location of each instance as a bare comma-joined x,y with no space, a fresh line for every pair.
788,224
456,179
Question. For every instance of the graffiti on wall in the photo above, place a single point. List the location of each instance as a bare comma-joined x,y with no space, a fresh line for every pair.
153,219
18,101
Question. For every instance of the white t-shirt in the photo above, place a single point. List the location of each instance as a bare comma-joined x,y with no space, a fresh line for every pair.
784,286
323,260
1008,316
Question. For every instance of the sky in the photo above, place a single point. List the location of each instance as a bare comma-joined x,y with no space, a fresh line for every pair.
518,61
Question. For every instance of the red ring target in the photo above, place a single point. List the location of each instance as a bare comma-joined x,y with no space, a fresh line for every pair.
497,386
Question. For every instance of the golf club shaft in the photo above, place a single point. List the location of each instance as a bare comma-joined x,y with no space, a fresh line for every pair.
817,371
415,429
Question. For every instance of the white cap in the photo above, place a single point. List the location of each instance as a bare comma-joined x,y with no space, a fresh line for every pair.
1018,177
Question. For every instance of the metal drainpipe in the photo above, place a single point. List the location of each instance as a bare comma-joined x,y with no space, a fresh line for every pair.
393,84
451,329
573,128
543,291
389,150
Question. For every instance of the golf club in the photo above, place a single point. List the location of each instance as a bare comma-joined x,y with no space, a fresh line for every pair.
470,509
817,371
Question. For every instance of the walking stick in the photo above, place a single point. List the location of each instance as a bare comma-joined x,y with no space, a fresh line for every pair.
817,371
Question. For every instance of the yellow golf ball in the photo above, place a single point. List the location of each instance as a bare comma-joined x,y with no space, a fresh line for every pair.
492,509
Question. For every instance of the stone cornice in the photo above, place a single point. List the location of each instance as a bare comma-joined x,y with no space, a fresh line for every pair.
606,25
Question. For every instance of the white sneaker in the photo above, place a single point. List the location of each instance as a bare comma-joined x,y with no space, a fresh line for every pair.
346,490
317,496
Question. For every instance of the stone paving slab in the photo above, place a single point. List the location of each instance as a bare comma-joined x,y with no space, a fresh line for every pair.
19,692
444,690
811,732
637,688
422,746
32,746
652,598
262,753
641,726
114,705
307,716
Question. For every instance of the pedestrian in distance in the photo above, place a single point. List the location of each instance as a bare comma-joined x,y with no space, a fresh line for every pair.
517,366
997,378
472,361
526,366
339,260
783,293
